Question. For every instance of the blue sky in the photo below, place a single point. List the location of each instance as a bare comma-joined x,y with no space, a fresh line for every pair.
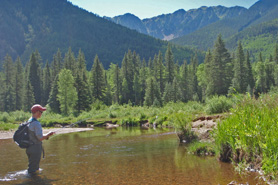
151,8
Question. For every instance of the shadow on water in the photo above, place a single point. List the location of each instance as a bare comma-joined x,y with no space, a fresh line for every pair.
37,179
23,178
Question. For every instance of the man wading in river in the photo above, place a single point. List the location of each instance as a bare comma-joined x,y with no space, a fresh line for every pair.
34,151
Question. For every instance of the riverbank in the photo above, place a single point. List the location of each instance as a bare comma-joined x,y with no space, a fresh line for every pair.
9,134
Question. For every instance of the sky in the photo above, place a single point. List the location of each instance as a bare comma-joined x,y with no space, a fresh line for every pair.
151,8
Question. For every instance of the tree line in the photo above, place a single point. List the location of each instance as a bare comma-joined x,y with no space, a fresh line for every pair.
66,86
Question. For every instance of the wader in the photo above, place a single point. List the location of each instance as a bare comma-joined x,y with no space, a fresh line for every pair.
34,153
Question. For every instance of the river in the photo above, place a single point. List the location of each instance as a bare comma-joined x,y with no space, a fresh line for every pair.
117,156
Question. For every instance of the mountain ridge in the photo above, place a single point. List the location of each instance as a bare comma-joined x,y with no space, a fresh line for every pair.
178,23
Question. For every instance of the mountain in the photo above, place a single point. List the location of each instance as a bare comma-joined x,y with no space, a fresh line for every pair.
260,12
179,23
46,25
257,38
130,21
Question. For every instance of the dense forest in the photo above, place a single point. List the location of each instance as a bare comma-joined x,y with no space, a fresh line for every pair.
46,25
66,86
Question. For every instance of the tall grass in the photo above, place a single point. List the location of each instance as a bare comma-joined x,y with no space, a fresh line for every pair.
251,133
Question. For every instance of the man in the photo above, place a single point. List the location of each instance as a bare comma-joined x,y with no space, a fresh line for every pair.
34,151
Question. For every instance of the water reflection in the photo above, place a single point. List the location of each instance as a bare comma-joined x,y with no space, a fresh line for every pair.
119,156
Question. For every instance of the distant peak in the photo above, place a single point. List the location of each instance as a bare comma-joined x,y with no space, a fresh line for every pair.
180,11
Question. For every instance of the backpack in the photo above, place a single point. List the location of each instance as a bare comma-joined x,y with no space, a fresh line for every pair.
21,135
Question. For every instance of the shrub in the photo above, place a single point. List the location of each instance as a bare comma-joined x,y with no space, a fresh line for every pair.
218,104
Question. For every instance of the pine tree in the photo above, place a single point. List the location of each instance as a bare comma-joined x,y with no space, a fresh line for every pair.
53,98
221,69
46,83
116,84
97,80
19,84
84,99
137,90
142,80
152,92
160,72
193,72
169,59
269,71
184,82
207,70
29,98
250,77
128,75
276,54
56,65
35,78
70,62
67,94
9,84
260,78
240,71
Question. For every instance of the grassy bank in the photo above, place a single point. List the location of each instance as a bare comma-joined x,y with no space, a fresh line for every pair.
249,135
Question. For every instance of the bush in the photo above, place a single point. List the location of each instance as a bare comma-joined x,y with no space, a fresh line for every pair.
218,104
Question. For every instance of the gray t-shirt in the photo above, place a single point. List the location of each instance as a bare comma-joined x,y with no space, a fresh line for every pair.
35,129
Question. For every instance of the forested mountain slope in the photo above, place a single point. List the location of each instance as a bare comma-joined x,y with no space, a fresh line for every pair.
46,25
262,11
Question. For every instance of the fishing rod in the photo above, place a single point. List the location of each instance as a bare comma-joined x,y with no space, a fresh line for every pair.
80,121
72,124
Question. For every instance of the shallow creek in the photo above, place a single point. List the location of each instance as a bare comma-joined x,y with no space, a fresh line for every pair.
117,156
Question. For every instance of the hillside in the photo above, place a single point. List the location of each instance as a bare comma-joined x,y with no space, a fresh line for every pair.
258,38
46,25
262,11
179,23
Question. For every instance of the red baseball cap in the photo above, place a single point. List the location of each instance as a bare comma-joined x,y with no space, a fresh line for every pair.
37,107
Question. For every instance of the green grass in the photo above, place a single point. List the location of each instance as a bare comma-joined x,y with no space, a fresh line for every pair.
251,133
202,149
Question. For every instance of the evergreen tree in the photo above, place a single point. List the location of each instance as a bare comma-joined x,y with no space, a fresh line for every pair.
46,83
116,84
137,90
84,99
70,63
142,80
128,75
124,92
160,72
97,80
250,77
193,73
276,54
184,82
240,71
260,78
170,65
9,95
29,98
269,71
152,92
207,70
56,65
220,78
67,94
35,78
53,97
19,84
